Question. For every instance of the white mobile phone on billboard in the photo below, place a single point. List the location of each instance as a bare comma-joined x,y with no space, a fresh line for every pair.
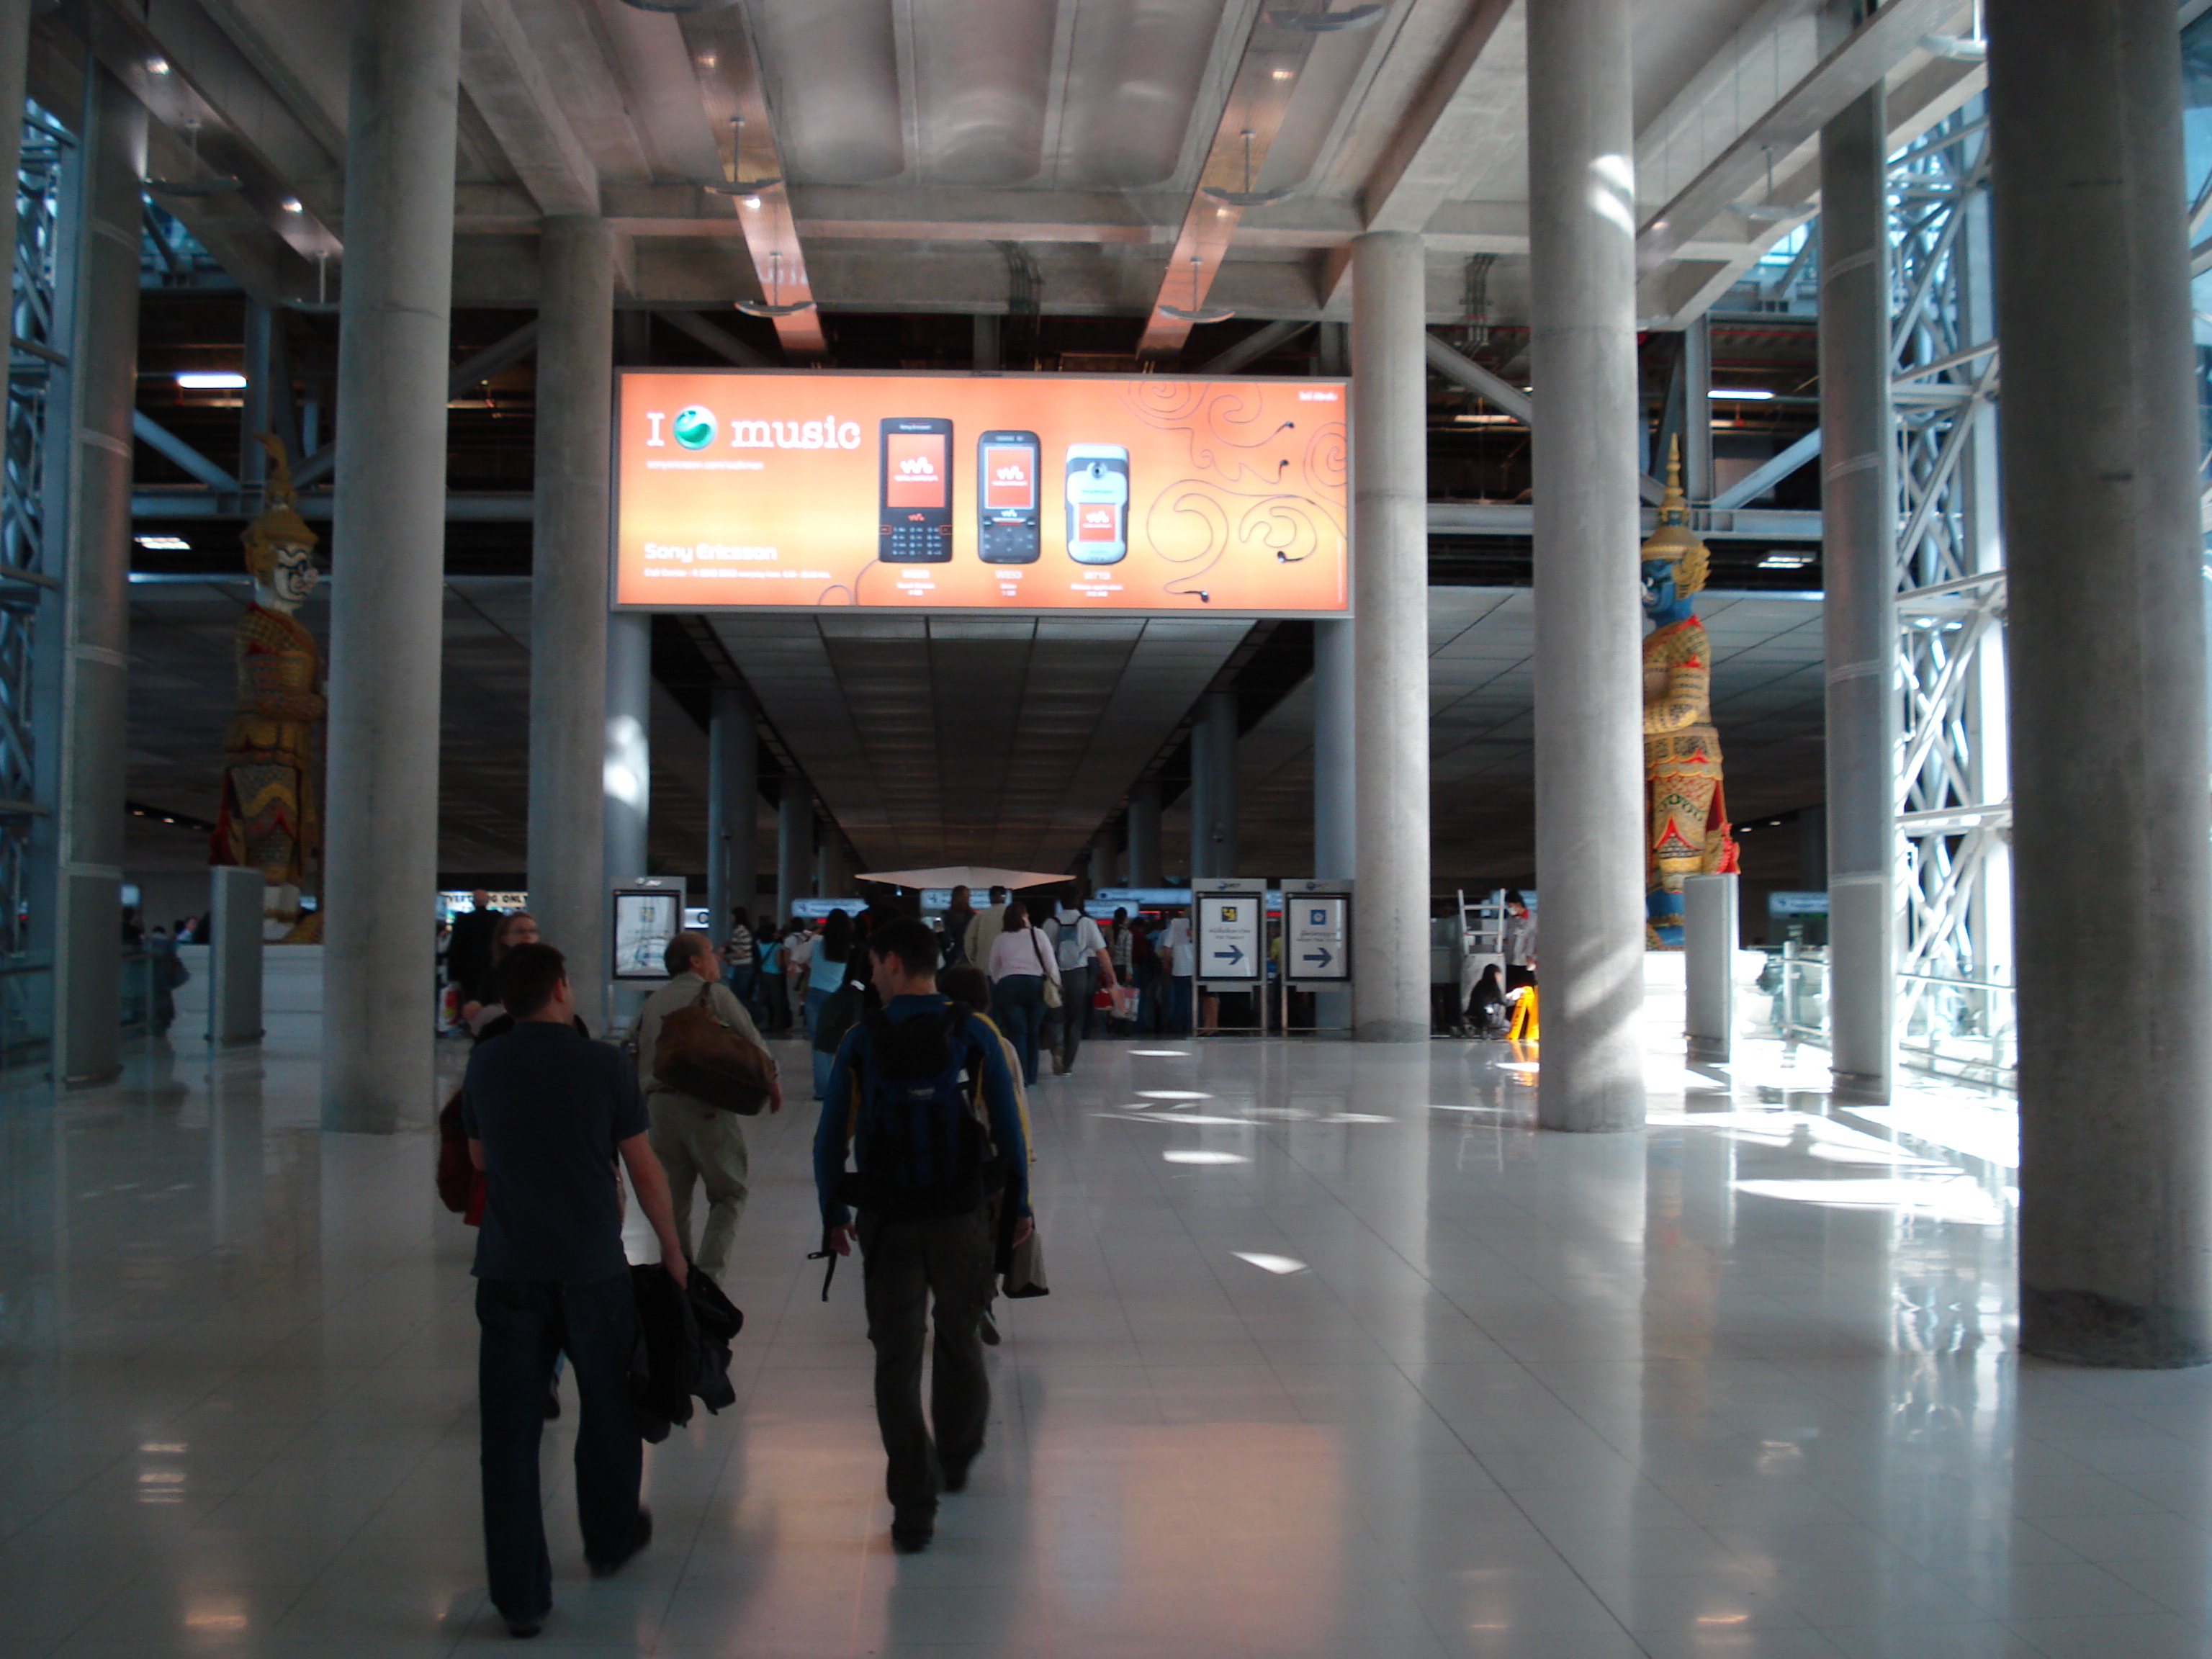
1098,503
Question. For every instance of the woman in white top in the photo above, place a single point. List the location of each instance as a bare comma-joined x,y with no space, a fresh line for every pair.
1021,962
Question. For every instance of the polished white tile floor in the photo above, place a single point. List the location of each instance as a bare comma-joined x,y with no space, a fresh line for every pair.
1343,1358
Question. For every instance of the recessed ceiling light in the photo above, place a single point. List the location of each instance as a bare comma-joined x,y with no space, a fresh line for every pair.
1282,74
1740,394
163,543
219,379
157,66
291,204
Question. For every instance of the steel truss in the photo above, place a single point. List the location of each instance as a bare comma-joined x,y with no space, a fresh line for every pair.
1953,807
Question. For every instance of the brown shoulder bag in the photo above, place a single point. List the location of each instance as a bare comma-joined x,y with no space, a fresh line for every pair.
712,1063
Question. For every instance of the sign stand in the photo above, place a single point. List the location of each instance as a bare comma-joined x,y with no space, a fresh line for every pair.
1317,951
647,913
1228,926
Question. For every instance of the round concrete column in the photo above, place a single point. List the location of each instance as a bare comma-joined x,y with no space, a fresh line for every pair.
733,802
2107,654
388,543
1589,699
1144,833
1335,795
794,846
1858,623
626,775
1213,786
568,599
101,309
1390,590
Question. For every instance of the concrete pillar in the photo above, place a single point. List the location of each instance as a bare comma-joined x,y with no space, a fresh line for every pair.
1102,861
1697,412
1213,786
102,340
833,876
1709,930
2110,828
733,802
388,543
1336,796
569,601
1144,833
627,775
1390,590
794,846
1859,617
1590,700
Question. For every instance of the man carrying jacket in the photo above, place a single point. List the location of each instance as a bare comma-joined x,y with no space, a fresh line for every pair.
547,1114
697,1143
923,1231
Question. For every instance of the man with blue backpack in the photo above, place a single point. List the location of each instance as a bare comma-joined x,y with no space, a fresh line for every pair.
920,1093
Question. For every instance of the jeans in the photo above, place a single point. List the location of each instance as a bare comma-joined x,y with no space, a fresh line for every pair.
1179,987
1149,994
902,1264
1017,1010
745,982
525,1324
1075,986
822,1062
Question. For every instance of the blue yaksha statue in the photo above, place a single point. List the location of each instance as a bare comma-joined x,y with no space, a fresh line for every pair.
1686,819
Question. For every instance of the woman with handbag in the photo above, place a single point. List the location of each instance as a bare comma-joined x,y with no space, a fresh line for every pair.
1024,983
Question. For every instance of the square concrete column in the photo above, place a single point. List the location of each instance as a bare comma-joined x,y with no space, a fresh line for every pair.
1589,669
388,551
568,599
1390,593
2112,871
1336,793
627,775
1213,786
794,846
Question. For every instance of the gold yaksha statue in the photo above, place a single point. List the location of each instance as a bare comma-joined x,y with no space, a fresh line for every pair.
1685,818
270,818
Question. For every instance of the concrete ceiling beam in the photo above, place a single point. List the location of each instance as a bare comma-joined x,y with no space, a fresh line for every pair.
502,72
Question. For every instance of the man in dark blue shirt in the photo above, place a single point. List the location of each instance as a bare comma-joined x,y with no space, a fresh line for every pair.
918,1240
548,1112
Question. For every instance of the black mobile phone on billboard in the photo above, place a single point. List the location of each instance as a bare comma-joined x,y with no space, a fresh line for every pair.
916,527
1007,497
1098,503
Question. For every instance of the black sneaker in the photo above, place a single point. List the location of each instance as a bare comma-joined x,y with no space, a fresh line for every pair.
644,1536
912,1529
522,1629
955,1477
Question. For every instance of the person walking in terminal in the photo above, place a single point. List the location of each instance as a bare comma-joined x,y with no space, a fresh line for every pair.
1520,942
920,1093
1181,969
984,927
1079,949
1022,962
547,1113
697,1143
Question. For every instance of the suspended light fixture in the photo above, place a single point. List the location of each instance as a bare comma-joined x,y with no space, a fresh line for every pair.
774,306
1247,197
1196,313
1324,21
742,186
1771,211
220,184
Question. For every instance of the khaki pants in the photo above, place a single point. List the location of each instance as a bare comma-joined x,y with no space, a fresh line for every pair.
696,1143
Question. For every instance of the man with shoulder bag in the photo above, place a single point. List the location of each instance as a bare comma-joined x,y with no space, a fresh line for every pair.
1084,966
920,1094
698,1140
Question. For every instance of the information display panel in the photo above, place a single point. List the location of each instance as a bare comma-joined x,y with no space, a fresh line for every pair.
646,917
745,489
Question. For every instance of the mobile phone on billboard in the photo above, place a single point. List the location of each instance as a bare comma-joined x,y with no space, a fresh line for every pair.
1098,503
916,527
1007,497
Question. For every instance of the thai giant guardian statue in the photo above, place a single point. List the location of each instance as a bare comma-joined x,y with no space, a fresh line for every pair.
270,818
1685,818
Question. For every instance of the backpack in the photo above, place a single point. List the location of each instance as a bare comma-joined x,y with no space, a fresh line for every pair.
1068,938
921,1141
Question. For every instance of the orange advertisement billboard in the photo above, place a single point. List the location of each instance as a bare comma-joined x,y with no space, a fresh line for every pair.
743,489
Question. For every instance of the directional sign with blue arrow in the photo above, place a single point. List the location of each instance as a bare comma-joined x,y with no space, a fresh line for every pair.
1316,927
1229,946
